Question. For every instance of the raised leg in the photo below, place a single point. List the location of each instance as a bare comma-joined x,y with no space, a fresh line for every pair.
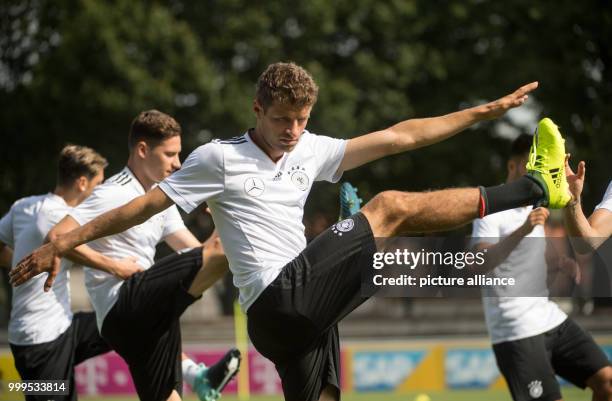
392,213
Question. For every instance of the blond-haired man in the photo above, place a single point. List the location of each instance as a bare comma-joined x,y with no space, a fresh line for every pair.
46,339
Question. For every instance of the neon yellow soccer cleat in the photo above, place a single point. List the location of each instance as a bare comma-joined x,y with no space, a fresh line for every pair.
547,164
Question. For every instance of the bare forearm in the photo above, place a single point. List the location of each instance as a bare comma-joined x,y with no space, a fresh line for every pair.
497,253
404,136
416,133
85,256
576,222
411,134
109,223
114,221
182,239
82,255
583,236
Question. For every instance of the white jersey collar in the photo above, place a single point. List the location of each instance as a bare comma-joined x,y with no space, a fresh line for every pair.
57,198
131,180
263,154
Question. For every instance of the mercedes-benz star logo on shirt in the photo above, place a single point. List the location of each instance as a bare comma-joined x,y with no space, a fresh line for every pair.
254,186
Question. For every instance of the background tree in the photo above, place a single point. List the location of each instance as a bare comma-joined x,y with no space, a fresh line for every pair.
378,62
80,70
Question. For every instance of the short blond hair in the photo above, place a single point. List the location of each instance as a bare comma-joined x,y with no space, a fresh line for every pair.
288,84
76,161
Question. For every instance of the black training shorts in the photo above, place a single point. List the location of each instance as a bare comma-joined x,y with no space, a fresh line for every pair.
55,360
294,321
143,325
529,365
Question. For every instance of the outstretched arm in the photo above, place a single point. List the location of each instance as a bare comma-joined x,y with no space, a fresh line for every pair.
585,234
182,239
416,133
85,256
47,257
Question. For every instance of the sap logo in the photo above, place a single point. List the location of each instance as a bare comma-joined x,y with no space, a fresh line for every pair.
470,368
383,371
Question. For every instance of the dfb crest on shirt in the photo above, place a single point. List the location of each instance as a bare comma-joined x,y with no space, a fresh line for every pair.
535,389
343,226
254,186
299,177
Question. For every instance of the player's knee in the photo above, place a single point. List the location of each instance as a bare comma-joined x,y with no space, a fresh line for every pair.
388,210
329,393
174,396
383,203
601,384
380,211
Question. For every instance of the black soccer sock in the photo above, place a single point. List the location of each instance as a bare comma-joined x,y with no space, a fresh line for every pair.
522,192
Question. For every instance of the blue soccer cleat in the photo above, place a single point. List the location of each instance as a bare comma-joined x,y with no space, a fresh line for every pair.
350,203
211,381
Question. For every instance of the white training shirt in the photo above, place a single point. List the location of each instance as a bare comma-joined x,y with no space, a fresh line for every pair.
514,318
36,316
606,202
139,241
257,204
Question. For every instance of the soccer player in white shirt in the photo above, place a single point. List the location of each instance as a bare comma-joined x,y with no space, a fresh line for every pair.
139,317
46,339
533,340
256,186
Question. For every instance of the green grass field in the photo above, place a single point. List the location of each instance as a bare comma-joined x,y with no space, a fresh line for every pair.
569,394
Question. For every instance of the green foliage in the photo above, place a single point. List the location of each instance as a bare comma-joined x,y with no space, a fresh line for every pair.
98,63
104,62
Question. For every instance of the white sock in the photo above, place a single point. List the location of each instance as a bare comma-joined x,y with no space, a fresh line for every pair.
190,371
